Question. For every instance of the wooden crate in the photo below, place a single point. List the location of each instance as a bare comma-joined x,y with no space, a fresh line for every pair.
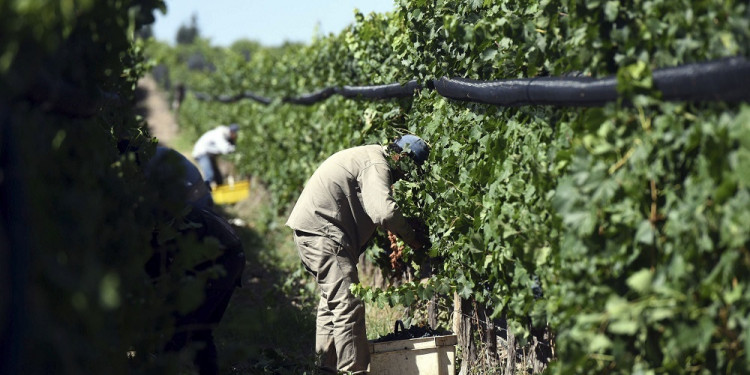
424,356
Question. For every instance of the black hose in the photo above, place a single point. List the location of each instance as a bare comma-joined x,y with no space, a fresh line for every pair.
393,90
229,98
202,96
719,80
724,80
257,98
578,91
307,99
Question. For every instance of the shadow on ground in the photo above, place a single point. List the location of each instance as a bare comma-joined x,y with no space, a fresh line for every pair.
268,328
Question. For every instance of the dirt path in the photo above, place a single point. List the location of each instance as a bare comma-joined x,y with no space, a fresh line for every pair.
154,106
161,120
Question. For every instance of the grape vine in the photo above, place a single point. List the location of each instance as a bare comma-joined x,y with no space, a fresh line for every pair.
629,218
77,214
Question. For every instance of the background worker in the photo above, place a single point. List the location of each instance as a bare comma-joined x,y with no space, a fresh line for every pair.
218,141
179,96
185,215
342,204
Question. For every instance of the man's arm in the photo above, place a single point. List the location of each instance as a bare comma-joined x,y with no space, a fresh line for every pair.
375,184
223,146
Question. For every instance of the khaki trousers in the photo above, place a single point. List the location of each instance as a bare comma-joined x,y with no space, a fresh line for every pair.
340,335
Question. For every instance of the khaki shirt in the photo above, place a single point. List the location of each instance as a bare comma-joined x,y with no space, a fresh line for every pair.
348,196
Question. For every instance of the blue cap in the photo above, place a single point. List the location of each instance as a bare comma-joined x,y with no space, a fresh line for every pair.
234,128
419,151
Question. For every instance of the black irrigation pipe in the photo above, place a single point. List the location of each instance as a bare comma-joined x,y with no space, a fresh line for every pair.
726,79
315,97
232,98
577,91
393,90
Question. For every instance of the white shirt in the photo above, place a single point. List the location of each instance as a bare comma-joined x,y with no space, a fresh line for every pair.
213,142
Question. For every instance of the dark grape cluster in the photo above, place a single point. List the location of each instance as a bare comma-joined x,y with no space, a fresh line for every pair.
414,332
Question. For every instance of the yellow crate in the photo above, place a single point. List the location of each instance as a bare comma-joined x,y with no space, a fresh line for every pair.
231,193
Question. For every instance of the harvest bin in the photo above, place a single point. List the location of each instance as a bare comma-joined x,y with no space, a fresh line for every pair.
424,356
231,193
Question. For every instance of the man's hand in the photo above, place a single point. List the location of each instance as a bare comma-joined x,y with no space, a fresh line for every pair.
424,241
422,234
417,245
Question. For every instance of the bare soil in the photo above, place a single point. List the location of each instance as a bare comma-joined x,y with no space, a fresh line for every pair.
161,120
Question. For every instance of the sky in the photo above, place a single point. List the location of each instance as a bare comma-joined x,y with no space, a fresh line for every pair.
270,22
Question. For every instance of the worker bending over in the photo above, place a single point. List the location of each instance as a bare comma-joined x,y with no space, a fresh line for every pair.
342,204
186,214
218,141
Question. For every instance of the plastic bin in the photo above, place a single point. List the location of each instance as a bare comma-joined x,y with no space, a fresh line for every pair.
424,356
231,193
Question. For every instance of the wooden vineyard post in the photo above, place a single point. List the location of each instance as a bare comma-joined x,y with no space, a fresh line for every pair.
542,349
432,318
510,366
490,340
465,332
456,313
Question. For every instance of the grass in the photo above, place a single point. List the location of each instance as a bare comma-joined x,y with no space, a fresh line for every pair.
380,320
269,326
184,141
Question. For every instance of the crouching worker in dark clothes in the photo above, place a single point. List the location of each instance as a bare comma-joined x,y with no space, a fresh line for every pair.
341,206
193,246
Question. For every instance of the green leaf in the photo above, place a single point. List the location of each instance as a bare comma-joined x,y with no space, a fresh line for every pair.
617,305
645,233
610,10
489,54
640,281
409,297
109,291
658,314
487,261
599,343
542,255
623,327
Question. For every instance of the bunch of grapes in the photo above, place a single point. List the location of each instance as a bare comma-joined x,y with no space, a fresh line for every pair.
414,332
397,250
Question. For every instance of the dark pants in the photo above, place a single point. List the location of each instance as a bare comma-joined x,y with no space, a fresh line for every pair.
196,327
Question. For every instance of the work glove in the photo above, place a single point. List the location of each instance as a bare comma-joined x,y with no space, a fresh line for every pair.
422,232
